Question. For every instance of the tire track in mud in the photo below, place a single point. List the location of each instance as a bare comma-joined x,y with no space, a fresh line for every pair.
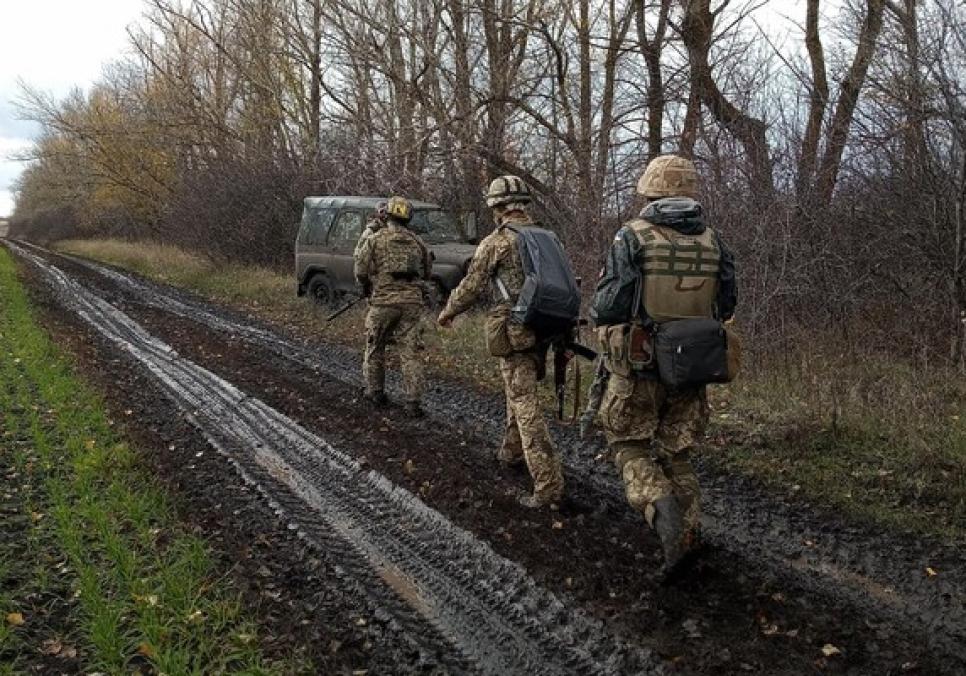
881,574
483,611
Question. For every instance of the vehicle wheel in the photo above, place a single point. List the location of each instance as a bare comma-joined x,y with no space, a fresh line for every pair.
320,290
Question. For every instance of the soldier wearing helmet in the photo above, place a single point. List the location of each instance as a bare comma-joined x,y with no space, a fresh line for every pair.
680,269
497,265
391,263
376,222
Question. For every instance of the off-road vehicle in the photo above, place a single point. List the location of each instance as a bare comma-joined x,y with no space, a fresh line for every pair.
331,227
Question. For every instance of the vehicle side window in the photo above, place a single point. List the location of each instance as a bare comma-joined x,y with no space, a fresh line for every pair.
347,229
315,225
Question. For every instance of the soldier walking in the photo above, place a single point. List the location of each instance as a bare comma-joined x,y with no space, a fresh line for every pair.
497,264
682,270
391,263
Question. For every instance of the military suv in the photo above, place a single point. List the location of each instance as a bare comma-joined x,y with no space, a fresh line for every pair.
331,227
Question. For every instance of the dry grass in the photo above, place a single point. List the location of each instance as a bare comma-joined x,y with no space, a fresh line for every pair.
880,439
876,438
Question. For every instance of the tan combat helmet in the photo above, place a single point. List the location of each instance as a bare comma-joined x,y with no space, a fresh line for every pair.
669,176
399,208
506,190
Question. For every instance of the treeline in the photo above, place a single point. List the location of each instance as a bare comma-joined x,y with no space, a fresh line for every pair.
834,159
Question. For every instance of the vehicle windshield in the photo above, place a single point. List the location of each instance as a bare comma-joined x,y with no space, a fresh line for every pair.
436,226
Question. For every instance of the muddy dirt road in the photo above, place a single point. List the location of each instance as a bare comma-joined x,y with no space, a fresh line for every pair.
417,527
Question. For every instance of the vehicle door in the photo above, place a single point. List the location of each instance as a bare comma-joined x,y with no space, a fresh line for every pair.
310,251
341,244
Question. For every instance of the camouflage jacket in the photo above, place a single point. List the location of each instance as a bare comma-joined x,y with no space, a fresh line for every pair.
373,225
370,266
497,257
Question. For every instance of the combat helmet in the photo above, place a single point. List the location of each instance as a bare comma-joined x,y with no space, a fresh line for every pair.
506,190
669,176
399,208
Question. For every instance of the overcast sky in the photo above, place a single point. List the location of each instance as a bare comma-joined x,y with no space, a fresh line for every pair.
55,45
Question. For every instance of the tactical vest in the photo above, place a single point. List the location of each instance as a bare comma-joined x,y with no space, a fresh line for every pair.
680,272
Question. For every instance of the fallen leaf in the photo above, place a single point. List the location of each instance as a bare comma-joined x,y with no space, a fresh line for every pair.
830,650
146,650
15,619
52,647
557,525
89,444
931,572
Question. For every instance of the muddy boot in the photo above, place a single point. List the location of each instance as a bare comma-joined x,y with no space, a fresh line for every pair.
508,458
669,526
414,409
377,398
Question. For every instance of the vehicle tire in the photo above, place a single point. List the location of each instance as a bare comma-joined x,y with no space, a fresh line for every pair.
320,290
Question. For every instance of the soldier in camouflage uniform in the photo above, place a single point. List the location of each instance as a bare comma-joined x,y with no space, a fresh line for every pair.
390,265
375,223
686,272
497,264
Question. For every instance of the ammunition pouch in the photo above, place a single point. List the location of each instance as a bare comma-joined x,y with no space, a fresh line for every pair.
628,349
694,352
504,336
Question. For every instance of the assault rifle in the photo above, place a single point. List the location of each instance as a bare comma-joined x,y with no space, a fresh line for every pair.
344,308
565,348
595,396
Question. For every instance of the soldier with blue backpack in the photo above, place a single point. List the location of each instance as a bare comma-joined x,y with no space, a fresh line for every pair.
535,302
659,308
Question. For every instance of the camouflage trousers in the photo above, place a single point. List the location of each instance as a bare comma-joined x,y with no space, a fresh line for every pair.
400,325
651,430
526,435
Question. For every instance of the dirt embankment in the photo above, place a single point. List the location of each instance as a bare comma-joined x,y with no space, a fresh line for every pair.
778,587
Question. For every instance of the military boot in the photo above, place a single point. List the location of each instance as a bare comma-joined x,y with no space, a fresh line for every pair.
508,458
669,525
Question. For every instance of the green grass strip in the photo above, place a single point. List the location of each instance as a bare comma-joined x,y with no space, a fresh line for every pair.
143,589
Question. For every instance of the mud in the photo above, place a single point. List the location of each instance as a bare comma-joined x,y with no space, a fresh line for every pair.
777,584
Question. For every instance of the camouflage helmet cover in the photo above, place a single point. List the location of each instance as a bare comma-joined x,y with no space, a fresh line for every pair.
399,208
669,176
507,190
